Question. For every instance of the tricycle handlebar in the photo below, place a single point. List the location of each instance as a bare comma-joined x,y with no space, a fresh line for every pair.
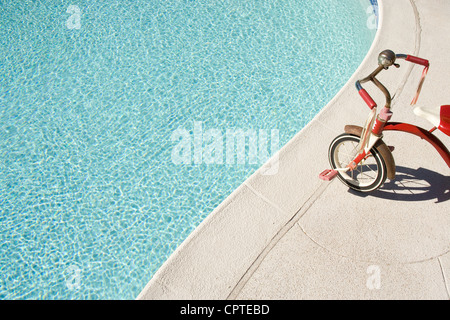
386,59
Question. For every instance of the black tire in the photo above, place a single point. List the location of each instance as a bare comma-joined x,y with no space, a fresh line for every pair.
369,175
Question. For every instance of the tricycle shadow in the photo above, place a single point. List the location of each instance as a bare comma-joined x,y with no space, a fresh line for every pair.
413,185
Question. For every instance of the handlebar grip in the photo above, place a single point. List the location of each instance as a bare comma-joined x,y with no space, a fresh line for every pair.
367,98
418,60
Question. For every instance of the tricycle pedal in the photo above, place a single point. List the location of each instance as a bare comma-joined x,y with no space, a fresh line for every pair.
328,175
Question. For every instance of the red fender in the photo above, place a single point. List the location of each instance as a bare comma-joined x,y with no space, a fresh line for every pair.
422,133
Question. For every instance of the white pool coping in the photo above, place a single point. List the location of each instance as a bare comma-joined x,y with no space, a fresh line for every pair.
293,236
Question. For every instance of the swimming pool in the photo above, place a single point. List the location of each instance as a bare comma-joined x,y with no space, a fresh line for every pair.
91,93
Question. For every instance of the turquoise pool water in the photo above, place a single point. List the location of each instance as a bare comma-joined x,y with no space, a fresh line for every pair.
91,93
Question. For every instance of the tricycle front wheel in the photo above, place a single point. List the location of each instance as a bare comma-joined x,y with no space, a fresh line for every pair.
370,173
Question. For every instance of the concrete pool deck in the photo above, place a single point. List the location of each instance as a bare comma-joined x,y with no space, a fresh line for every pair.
293,236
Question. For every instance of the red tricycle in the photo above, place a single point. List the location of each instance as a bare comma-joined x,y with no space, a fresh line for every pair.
359,157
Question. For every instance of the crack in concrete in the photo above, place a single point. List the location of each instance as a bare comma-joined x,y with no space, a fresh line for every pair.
417,43
371,261
444,277
275,239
